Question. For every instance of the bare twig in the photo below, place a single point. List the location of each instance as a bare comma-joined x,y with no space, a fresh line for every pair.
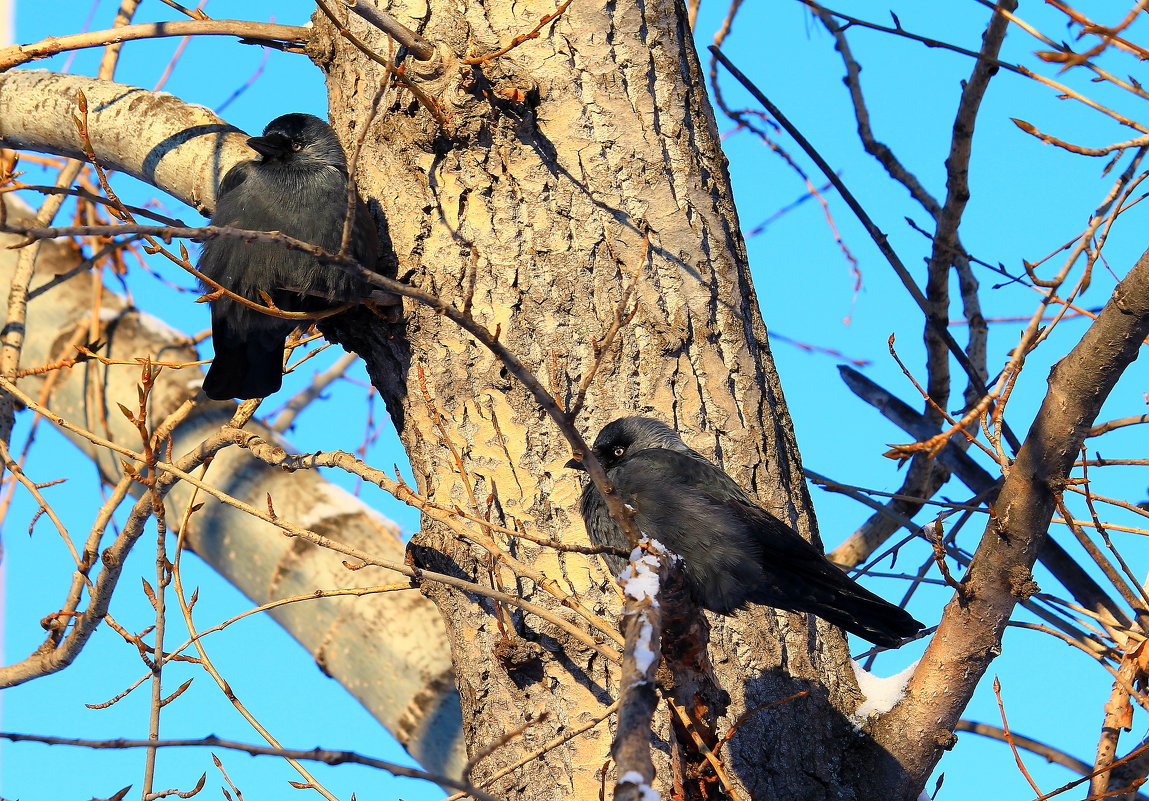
1029,128
1110,425
970,630
1009,737
602,345
1118,716
205,661
274,455
1050,753
166,233
498,743
565,737
424,99
313,755
710,755
228,435
875,233
252,32
419,47
304,397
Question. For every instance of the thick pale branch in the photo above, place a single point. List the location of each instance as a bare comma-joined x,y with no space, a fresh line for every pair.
180,148
347,637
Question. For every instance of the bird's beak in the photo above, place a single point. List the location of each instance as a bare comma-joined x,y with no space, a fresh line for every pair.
272,146
575,464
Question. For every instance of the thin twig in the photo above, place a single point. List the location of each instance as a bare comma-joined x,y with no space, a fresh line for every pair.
498,743
875,233
229,435
419,47
177,581
314,755
300,401
1009,737
249,32
518,40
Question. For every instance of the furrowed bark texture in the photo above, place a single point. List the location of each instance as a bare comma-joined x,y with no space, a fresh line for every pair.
389,650
917,730
530,208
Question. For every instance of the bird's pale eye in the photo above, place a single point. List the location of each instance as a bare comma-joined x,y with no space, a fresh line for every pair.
618,450
296,146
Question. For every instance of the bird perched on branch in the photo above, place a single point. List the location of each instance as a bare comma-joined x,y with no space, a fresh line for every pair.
733,551
298,187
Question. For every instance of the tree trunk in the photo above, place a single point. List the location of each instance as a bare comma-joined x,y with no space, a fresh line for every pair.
533,207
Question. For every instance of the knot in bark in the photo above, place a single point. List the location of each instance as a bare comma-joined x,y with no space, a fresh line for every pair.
945,740
1021,583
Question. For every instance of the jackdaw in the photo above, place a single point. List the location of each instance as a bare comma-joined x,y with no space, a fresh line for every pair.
297,186
733,551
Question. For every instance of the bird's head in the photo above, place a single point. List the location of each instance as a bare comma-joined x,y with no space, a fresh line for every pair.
628,435
299,140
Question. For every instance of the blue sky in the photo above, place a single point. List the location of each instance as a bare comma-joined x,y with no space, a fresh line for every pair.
1028,199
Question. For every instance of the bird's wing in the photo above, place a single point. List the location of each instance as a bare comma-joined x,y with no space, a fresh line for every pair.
735,552
234,177
709,519
716,502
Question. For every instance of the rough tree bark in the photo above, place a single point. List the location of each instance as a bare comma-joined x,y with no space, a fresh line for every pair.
532,206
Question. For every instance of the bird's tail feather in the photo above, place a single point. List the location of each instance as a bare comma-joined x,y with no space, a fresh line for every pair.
250,368
860,612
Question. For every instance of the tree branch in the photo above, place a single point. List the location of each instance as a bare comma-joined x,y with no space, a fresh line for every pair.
1050,753
420,48
872,229
917,730
248,32
1080,584
315,755
179,148
642,583
419,704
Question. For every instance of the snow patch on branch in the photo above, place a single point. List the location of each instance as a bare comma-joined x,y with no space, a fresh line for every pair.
639,579
644,657
640,584
881,694
645,791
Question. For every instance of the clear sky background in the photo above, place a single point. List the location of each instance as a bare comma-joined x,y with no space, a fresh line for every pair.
1028,199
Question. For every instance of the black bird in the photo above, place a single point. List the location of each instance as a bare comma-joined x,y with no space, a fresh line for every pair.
297,186
733,551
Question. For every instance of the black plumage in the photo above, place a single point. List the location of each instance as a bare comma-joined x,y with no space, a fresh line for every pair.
734,552
297,186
